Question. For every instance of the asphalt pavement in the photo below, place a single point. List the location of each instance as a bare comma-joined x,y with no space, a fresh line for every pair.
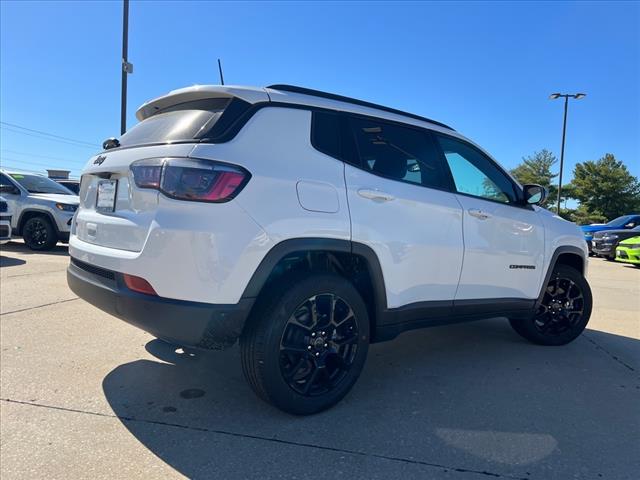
84,395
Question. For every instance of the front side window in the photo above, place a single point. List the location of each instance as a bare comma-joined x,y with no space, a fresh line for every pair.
475,174
399,153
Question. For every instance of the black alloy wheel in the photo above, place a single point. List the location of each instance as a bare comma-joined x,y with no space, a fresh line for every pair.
561,308
562,312
38,234
305,342
318,345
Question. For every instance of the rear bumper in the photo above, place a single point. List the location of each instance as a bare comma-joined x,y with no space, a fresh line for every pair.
193,324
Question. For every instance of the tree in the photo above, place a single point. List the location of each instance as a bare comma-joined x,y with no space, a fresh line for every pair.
605,188
537,169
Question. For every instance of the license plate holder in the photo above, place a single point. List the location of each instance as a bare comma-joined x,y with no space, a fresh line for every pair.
106,196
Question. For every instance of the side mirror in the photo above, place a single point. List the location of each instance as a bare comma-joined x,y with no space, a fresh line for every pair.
9,189
534,194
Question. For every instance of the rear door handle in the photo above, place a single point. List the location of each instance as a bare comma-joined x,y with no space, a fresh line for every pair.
375,195
475,212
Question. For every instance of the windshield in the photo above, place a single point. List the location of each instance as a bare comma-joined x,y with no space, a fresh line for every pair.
620,221
185,121
40,184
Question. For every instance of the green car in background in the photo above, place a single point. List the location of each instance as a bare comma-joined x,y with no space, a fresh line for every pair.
628,251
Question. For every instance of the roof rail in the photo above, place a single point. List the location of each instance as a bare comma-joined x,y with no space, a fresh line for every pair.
355,101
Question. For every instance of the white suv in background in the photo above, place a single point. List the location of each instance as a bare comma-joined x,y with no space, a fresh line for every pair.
42,210
309,225
5,222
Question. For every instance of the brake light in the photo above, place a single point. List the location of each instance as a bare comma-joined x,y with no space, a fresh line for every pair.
191,179
147,176
138,284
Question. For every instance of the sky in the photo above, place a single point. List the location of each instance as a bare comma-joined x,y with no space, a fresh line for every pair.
485,68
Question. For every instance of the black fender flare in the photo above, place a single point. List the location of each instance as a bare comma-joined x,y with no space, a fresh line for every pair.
286,247
570,249
39,212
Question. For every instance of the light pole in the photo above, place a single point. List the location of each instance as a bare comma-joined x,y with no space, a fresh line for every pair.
127,67
566,97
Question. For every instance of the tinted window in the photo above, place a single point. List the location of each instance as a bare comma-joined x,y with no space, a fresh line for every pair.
475,174
39,184
397,152
325,133
73,186
620,222
185,121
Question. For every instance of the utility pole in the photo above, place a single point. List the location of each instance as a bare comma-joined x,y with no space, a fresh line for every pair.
220,70
566,97
127,67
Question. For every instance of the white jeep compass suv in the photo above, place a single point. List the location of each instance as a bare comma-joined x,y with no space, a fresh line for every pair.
309,225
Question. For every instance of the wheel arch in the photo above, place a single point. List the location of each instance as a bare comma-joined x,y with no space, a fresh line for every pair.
28,213
356,262
565,255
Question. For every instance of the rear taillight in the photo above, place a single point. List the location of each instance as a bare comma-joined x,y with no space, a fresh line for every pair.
191,179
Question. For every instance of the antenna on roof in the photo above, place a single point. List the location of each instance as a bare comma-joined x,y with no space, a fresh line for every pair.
220,70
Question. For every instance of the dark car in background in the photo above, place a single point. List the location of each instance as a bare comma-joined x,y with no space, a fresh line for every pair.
73,185
606,241
624,222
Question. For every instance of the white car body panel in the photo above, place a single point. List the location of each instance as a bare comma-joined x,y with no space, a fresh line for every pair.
417,236
275,147
504,251
561,233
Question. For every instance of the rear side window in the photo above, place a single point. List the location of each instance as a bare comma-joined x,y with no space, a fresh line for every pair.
399,153
185,121
325,133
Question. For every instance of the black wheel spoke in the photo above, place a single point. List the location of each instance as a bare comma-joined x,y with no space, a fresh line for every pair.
318,344
293,349
306,389
561,307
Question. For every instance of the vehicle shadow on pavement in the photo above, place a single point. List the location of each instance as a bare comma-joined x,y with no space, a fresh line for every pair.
9,261
469,397
20,247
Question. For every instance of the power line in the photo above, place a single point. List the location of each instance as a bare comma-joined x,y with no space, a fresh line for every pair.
44,138
40,156
30,162
51,135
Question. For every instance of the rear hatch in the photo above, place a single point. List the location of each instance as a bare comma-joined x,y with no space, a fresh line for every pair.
113,211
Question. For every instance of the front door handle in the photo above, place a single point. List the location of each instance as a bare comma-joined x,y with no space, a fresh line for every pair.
375,195
475,212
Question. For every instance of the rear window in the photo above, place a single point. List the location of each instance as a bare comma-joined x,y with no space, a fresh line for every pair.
185,121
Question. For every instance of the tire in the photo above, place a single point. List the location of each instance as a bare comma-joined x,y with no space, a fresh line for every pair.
299,366
38,233
567,323
610,258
